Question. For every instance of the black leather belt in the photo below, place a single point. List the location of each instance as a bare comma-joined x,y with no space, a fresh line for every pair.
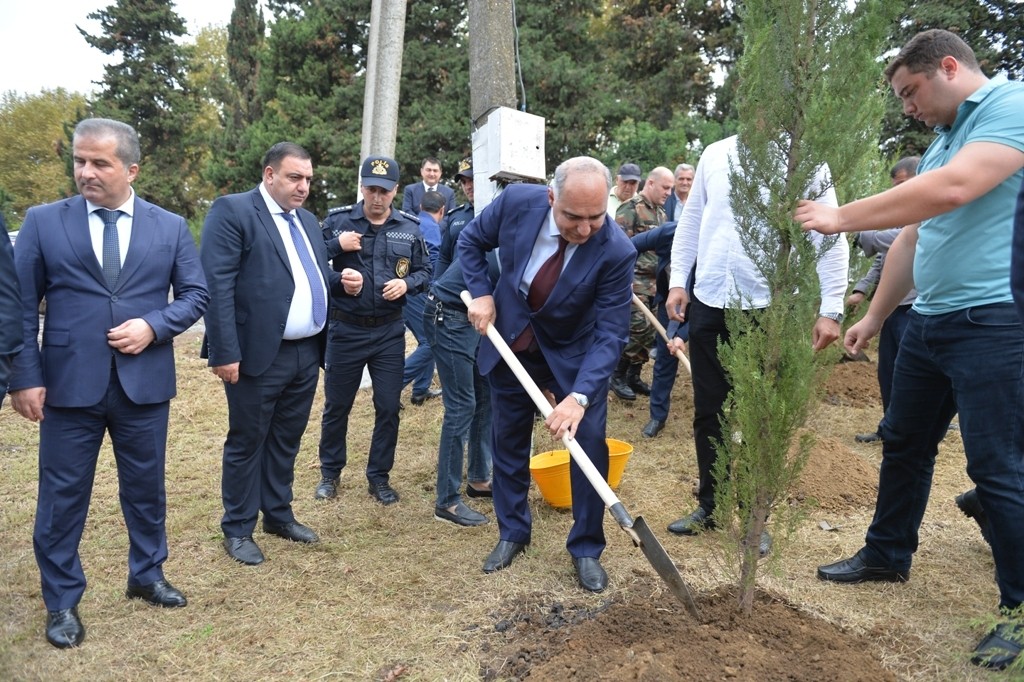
365,321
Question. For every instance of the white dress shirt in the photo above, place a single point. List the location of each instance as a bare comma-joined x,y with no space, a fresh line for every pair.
707,233
300,313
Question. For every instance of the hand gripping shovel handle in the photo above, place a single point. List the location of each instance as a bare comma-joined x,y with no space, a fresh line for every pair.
618,511
638,530
661,330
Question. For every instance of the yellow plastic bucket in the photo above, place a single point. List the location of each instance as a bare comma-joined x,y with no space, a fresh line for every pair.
550,470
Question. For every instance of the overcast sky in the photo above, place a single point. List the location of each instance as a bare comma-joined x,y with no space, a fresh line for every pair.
40,48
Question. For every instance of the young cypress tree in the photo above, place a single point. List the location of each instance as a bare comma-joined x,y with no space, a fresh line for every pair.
807,95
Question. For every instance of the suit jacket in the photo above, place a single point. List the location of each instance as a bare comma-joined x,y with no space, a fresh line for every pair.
413,194
584,325
658,240
250,281
55,259
670,206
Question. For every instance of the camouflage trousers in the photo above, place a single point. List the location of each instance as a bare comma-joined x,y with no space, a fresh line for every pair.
641,335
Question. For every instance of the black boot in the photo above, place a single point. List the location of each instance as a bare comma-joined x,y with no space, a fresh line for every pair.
639,386
619,384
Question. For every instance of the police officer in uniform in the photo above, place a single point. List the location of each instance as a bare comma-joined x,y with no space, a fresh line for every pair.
385,245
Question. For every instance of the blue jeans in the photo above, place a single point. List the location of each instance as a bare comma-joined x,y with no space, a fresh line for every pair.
972,362
666,367
467,402
419,366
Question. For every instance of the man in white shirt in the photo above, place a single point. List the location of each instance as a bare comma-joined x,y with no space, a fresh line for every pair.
725,275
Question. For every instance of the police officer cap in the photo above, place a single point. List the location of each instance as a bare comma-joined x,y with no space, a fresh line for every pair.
379,171
465,168
629,171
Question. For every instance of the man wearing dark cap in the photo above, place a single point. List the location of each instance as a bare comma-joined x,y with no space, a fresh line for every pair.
627,180
385,245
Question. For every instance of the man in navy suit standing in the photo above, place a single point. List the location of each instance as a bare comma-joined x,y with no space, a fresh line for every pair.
562,302
10,310
265,335
412,195
104,260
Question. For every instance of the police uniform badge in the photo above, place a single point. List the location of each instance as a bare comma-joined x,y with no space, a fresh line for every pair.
402,267
379,167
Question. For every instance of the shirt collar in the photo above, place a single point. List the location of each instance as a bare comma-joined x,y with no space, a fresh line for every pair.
128,207
973,100
272,205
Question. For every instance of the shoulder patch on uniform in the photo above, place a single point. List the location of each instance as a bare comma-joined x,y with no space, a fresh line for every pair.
340,209
410,216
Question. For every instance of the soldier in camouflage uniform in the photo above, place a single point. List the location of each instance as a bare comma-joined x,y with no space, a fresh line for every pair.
641,213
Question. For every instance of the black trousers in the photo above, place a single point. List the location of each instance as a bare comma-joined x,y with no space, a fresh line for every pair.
710,389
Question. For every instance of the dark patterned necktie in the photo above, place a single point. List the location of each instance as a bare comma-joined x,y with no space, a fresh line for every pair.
315,286
111,246
540,289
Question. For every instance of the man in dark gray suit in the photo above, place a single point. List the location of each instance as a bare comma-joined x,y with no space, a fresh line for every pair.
269,280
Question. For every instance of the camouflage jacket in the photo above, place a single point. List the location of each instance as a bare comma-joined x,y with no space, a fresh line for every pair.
635,216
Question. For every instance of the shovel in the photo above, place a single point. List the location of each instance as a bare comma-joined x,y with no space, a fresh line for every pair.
661,330
637,529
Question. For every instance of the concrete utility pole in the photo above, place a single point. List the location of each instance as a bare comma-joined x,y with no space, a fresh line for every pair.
383,78
492,74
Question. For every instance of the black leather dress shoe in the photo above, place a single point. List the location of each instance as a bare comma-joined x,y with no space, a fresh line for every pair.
502,555
697,522
872,437
590,573
159,593
473,492
327,488
420,398
64,628
383,493
1000,647
653,428
856,570
243,550
970,505
293,531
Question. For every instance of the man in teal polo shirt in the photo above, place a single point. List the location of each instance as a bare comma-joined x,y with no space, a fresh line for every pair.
963,350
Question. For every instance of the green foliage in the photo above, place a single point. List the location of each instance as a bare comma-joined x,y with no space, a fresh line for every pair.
993,28
806,96
32,142
681,142
150,90
434,106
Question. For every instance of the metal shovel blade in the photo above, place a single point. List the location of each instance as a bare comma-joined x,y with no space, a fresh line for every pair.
662,563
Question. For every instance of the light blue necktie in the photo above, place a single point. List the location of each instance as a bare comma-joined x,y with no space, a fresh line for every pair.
111,246
315,286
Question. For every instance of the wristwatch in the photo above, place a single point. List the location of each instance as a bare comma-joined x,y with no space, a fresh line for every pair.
836,317
581,400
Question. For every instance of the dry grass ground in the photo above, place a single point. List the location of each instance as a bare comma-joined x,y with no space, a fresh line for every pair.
390,593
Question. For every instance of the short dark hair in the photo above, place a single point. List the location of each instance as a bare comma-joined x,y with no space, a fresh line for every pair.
432,202
127,150
908,165
926,50
430,159
280,151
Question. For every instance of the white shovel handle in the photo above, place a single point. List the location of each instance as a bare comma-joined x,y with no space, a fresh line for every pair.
661,330
575,449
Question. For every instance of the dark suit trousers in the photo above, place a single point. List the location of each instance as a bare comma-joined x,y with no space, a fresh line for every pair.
512,426
267,415
349,349
69,445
